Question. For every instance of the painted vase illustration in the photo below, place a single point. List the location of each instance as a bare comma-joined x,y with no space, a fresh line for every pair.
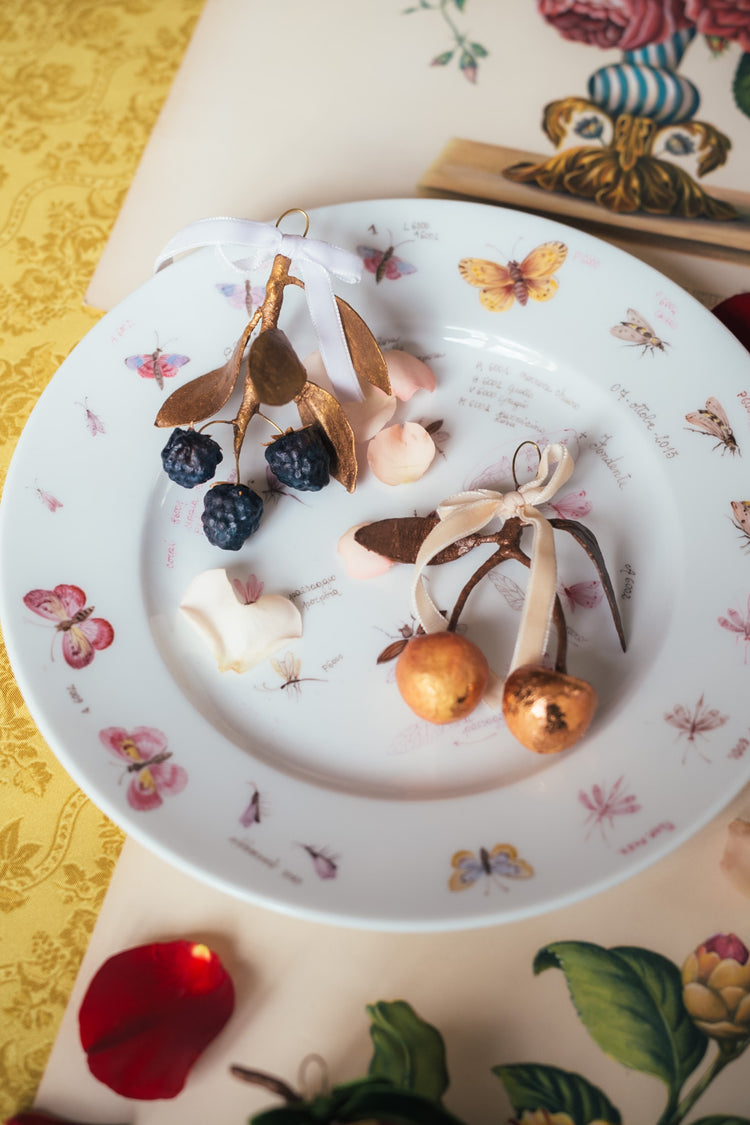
639,116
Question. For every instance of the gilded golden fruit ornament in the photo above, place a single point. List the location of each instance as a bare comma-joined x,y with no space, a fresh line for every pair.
442,676
546,710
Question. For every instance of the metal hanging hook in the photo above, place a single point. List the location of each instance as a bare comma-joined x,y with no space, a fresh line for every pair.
297,211
513,464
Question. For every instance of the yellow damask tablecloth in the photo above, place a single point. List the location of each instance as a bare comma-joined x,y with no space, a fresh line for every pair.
81,84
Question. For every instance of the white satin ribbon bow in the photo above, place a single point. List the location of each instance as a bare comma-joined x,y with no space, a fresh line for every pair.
467,513
316,262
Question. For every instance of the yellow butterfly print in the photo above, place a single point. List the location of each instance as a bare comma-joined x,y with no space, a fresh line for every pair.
501,862
501,285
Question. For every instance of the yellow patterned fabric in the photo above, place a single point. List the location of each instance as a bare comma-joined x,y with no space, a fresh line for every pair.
81,84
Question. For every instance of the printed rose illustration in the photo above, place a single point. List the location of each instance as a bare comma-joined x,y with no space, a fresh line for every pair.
153,775
724,19
626,24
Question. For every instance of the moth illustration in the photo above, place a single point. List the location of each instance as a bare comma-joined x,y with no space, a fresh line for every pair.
501,862
94,424
253,811
82,634
532,278
324,864
156,365
153,776
735,622
571,506
741,513
637,331
713,421
50,502
584,594
694,722
603,805
384,263
243,295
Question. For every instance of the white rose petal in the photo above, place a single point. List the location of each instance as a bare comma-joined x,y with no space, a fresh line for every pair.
238,635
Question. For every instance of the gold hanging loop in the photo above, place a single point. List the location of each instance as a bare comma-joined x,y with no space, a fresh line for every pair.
297,211
518,450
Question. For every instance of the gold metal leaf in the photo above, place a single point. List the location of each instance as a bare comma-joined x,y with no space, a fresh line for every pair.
317,406
367,358
274,368
202,397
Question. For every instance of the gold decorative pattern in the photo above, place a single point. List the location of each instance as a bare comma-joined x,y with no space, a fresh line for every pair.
80,88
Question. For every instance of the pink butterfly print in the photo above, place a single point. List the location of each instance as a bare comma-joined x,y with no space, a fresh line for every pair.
324,863
243,295
585,594
734,622
94,424
571,506
82,634
606,806
696,722
384,263
154,776
50,502
157,365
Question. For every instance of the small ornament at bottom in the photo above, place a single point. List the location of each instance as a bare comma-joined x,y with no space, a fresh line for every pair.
442,676
546,710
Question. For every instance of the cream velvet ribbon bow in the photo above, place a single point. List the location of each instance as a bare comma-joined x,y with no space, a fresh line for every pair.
467,513
316,261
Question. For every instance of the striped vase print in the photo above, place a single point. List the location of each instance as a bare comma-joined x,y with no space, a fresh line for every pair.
645,83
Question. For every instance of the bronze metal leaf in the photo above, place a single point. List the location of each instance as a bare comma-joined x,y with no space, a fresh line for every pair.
367,359
202,397
274,368
317,406
390,652
586,538
400,539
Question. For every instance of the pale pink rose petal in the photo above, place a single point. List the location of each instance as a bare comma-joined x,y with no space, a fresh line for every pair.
408,374
361,563
735,862
368,417
401,454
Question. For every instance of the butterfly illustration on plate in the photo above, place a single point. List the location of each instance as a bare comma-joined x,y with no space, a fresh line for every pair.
741,513
243,295
532,278
82,634
253,810
157,365
637,332
147,762
496,864
384,263
584,594
713,421
571,506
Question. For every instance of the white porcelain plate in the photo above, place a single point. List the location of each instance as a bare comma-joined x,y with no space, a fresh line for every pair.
306,784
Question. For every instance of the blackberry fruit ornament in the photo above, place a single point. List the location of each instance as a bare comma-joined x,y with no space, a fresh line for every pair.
190,457
231,513
299,458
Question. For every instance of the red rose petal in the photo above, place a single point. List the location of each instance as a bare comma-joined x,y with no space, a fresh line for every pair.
734,314
149,1012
